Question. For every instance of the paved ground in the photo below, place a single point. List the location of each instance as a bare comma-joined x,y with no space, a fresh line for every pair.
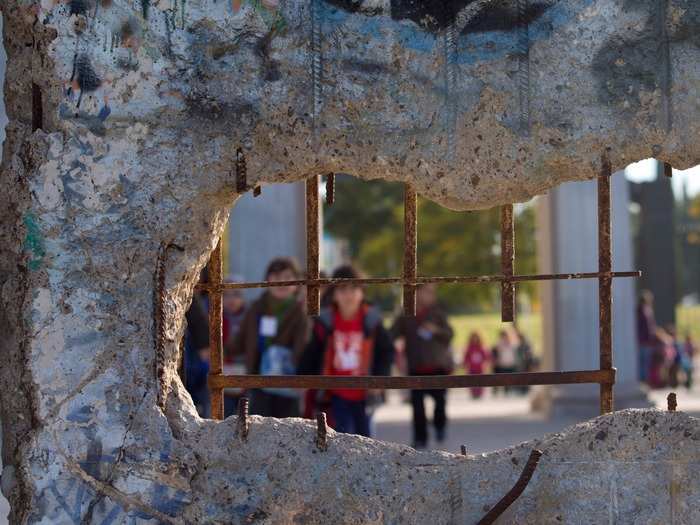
488,424
492,423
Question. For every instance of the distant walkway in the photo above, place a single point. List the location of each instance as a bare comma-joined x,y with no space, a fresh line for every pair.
493,423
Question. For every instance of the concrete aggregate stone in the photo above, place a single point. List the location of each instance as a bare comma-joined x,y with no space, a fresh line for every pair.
125,118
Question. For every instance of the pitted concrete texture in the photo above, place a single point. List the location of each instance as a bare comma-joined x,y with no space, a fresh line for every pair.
141,107
478,102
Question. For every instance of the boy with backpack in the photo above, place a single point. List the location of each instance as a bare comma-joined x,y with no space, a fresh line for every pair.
348,339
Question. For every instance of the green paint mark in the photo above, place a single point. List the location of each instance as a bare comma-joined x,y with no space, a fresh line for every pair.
33,242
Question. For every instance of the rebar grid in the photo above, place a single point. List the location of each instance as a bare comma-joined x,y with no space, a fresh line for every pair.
605,376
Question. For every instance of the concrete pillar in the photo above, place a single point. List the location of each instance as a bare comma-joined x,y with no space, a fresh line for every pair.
264,227
570,244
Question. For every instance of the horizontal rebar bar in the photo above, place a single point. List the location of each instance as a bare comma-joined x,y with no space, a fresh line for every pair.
422,280
413,382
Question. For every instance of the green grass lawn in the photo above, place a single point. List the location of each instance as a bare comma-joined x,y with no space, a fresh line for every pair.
688,320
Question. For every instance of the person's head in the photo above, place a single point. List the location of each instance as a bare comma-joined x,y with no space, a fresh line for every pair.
505,336
475,339
348,298
282,269
646,298
426,295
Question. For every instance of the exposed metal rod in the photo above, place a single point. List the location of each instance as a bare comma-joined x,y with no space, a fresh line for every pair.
330,189
605,282
507,263
410,249
216,334
514,493
313,290
413,382
482,279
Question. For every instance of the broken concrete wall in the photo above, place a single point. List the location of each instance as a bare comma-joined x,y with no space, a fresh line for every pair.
124,122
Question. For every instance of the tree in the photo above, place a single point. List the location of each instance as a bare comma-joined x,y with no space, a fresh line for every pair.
370,216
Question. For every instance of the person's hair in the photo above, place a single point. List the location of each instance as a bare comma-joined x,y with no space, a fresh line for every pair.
280,264
347,271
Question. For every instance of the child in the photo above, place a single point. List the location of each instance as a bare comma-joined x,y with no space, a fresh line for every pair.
475,359
426,340
272,337
504,355
348,339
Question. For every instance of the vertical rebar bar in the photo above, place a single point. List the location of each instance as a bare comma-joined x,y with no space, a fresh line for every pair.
605,282
463,450
215,330
672,402
242,424
668,170
313,290
410,257
321,432
330,189
507,263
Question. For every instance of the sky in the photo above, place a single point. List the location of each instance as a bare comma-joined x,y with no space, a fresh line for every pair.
645,170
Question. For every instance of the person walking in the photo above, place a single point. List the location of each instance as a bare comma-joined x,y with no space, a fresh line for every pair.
426,341
646,334
475,359
272,337
348,339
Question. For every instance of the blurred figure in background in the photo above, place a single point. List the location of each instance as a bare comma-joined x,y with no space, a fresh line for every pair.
646,333
504,355
348,339
526,360
196,354
663,355
234,307
475,359
426,342
272,338
689,354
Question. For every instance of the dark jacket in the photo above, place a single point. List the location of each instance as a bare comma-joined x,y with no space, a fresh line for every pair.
423,355
291,333
375,334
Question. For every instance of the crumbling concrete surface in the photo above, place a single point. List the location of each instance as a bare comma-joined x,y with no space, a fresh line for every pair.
124,122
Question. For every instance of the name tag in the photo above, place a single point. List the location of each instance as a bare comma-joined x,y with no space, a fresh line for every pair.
268,326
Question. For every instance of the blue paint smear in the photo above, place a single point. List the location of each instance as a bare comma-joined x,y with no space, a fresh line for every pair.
472,48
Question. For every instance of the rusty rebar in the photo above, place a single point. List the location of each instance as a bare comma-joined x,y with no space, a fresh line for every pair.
672,402
242,427
413,382
605,282
313,290
241,172
321,432
215,333
410,249
159,319
514,493
463,450
668,170
482,279
330,189
507,263
257,191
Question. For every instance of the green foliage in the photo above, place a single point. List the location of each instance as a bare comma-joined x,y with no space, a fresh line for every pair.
370,216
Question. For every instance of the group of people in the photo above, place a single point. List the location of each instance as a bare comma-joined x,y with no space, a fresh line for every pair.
665,360
274,336
511,353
